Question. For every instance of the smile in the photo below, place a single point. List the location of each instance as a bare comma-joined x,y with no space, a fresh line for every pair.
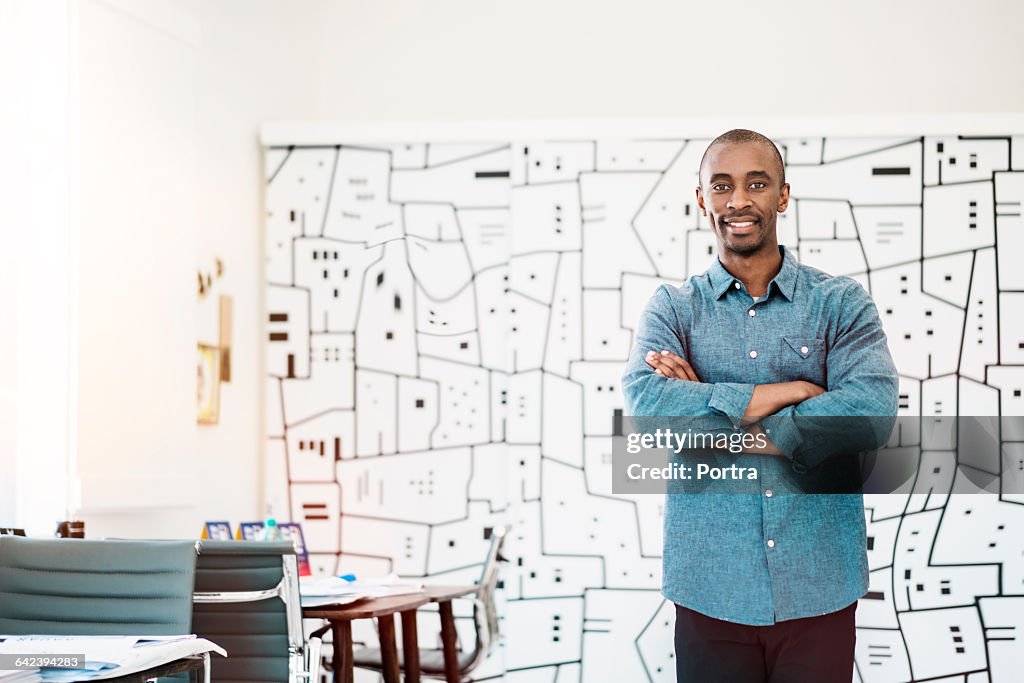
740,225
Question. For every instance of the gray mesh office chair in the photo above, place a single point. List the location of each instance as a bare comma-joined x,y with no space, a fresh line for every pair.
247,601
485,619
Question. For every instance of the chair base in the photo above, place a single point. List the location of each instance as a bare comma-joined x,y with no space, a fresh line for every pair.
431,660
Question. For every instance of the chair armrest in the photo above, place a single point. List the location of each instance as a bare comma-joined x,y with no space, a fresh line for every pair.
235,596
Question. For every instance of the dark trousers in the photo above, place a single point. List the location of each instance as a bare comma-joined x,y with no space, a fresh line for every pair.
811,650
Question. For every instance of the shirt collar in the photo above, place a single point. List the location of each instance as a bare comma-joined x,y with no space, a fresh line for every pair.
785,280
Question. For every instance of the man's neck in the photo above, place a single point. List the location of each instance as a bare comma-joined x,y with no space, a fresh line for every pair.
755,270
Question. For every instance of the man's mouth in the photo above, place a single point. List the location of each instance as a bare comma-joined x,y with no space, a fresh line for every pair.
741,224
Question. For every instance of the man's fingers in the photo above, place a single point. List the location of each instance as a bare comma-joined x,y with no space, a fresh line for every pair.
671,365
690,374
662,368
679,364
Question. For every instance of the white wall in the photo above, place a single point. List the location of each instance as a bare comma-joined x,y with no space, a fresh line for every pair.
137,83
466,60
172,97
35,291
256,64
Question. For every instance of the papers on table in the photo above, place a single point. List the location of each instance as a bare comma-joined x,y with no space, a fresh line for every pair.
105,656
334,590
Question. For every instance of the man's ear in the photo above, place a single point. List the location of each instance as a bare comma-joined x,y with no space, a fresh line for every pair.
784,198
700,201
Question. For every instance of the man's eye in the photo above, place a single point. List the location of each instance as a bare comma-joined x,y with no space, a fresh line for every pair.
758,185
719,187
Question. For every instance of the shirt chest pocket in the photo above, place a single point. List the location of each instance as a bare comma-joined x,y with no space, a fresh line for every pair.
803,358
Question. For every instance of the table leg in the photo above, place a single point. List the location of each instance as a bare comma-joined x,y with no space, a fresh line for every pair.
343,669
388,648
410,647
448,642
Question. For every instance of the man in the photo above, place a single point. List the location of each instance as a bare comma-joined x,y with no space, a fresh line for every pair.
765,585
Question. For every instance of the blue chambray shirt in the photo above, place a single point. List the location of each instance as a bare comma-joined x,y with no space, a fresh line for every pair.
760,558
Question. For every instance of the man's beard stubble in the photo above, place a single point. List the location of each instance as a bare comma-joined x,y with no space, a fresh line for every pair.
744,247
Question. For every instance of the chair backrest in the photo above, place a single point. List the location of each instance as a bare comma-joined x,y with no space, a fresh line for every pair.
485,612
87,587
247,601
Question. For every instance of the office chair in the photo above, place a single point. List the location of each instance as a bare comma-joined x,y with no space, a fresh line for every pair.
247,600
98,588
485,620
85,587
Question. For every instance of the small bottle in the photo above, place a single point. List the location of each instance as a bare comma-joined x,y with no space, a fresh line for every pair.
271,532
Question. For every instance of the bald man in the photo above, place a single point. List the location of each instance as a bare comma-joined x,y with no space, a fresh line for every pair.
765,584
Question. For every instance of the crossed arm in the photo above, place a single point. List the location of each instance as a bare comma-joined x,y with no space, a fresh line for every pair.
862,381
766,399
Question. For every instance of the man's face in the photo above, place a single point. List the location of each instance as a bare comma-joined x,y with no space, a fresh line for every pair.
741,195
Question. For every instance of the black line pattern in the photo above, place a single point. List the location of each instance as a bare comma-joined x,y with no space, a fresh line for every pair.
443,351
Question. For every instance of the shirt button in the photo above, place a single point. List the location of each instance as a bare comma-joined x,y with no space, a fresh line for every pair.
753,354
771,543
736,285
768,493
751,312
803,349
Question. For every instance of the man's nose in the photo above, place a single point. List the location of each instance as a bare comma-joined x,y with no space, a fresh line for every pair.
738,200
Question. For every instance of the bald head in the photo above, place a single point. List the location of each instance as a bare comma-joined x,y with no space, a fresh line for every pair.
742,136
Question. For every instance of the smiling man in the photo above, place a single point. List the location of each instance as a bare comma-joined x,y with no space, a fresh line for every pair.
765,585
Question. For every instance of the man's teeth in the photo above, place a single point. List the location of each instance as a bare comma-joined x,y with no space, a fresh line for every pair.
744,224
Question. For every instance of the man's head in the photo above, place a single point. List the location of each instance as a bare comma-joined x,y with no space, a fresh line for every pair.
742,189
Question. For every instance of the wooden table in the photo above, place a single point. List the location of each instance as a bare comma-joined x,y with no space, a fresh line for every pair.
340,618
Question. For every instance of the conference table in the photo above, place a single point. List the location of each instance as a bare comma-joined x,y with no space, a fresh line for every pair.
340,618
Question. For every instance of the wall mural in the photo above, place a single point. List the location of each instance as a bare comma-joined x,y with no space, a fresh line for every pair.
447,325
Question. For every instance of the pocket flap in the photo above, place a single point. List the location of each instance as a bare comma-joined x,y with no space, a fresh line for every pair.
805,346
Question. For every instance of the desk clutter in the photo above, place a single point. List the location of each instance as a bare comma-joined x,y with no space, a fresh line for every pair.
343,590
270,530
93,658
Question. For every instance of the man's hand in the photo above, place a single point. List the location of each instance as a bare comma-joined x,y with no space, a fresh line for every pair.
768,399
671,365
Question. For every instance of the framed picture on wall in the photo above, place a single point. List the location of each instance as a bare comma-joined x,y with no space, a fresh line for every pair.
208,384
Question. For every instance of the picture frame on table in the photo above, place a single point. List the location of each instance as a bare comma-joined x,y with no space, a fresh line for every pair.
217,531
249,531
292,531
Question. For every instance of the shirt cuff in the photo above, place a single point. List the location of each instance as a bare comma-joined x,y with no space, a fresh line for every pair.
731,400
782,431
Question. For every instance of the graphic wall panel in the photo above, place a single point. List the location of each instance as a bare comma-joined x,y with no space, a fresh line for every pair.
446,329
